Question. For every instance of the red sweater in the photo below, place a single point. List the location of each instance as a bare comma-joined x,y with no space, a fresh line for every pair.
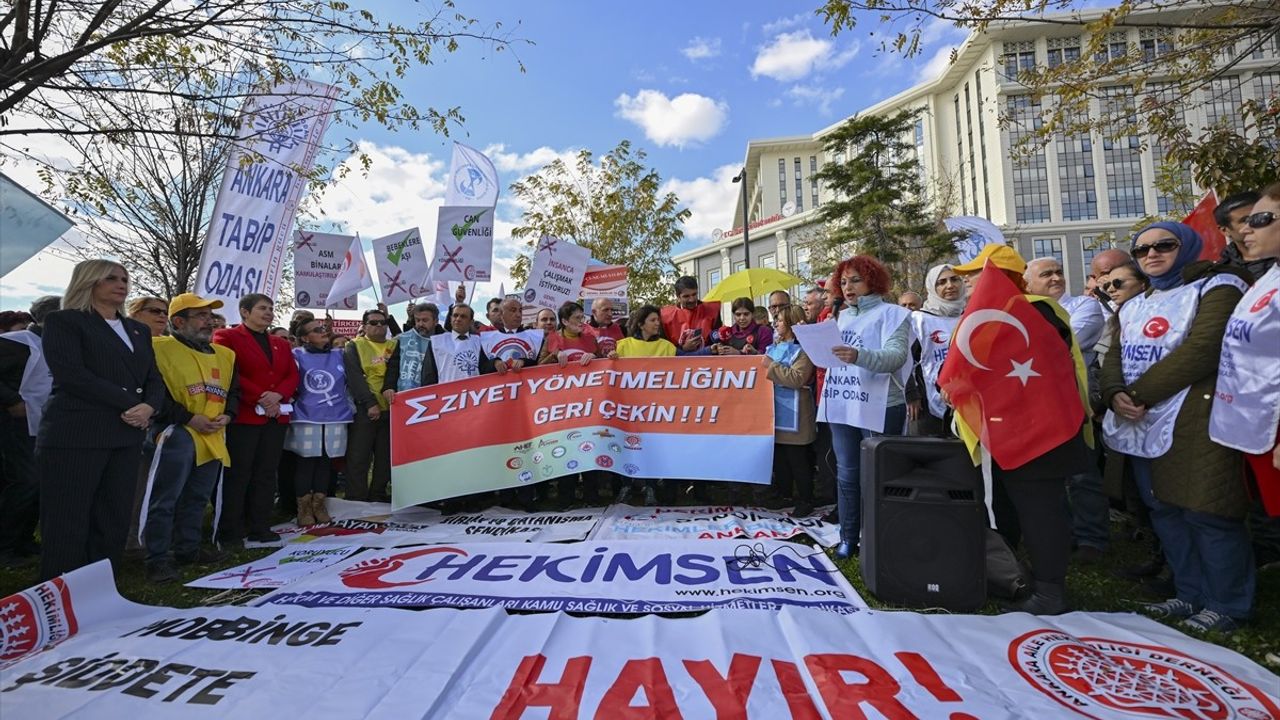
256,374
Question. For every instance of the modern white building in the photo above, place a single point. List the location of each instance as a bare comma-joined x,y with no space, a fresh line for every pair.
1070,199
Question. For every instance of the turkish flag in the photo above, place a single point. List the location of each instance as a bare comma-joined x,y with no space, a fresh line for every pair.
1201,219
1009,375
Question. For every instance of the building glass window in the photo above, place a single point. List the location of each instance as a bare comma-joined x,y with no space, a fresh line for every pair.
1063,51
968,132
801,265
1169,204
769,261
982,146
1018,57
1122,158
964,199
713,278
1048,247
782,182
1223,102
1031,177
740,265
1266,88
1090,246
799,188
1076,189
1117,46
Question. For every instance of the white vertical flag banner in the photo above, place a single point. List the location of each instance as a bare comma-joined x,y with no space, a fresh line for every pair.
464,244
353,277
979,231
27,224
473,180
317,258
262,185
556,272
402,265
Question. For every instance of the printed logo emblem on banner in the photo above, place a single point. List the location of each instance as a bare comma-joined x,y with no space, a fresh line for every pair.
1097,675
35,618
1155,327
367,574
1262,301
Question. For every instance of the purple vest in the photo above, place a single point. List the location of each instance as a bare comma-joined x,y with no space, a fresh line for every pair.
322,394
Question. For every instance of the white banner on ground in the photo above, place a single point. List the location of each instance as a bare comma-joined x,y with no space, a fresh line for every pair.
625,522
363,532
251,224
49,613
352,277
317,258
508,525
597,577
555,273
800,664
340,509
402,265
277,569
464,244
473,180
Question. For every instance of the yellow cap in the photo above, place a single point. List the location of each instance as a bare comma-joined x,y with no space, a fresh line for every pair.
1002,256
191,301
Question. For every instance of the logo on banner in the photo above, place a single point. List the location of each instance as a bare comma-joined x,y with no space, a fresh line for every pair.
631,468
279,131
1262,301
604,461
368,574
34,619
633,442
1096,676
304,297
558,452
515,463
938,337
1155,327
470,181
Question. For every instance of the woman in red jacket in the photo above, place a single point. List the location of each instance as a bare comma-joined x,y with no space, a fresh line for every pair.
268,381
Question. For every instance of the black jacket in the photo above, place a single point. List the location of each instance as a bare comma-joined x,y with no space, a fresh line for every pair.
96,377
1231,257
13,363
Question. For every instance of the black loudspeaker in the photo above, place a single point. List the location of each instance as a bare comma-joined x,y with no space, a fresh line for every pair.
923,523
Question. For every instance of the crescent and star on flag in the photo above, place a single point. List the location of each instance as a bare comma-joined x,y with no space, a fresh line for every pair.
1021,370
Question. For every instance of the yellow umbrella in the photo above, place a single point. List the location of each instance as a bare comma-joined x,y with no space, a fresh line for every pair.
752,283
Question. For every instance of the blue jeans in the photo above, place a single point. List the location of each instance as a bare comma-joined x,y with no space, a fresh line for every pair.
1090,509
846,441
179,493
1210,555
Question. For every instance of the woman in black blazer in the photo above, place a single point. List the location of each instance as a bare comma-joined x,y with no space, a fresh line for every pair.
105,388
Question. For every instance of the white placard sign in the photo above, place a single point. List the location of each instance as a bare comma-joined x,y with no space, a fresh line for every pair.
402,265
253,218
625,522
317,258
464,244
599,577
555,273
277,569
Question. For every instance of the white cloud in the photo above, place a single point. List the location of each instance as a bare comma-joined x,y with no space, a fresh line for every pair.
701,48
794,55
784,23
682,120
516,162
936,65
711,201
815,96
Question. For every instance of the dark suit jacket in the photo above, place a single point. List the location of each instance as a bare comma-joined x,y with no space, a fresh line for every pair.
96,377
258,375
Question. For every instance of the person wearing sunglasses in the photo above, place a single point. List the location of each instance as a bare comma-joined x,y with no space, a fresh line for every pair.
322,415
1158,382
1123,283
1230,215
369,444
1246,412
152,312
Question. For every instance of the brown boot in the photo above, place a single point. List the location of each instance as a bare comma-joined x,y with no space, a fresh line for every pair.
305,516
318,509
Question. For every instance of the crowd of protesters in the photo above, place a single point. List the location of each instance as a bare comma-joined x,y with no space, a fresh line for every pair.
126,420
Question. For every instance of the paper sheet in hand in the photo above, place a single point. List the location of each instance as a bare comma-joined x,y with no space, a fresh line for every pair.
817,341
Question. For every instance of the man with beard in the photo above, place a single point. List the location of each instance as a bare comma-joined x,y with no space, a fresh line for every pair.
688,323
191,447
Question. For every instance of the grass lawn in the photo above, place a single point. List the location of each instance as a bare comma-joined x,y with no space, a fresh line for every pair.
1089,588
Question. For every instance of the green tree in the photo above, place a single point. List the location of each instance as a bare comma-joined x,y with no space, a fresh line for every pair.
878,203
1139,66
614,208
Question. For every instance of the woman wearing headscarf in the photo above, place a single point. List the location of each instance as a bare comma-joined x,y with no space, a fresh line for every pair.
1158,381
865,396
933,324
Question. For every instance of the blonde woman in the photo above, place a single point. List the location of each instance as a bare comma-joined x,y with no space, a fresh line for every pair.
152,312
105,389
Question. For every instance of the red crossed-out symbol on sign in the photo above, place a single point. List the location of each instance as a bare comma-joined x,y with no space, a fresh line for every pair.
395,283
243,575
548,244
305,241
451,258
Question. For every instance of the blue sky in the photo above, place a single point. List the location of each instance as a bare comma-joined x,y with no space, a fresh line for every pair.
689,82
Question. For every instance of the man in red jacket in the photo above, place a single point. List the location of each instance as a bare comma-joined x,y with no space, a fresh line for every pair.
688,323
255,438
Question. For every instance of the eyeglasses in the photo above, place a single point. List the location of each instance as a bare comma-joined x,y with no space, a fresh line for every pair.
318,329
1260,220
1113,284
1160,246
375,323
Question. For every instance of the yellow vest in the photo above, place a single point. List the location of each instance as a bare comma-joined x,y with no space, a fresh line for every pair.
970,436
198,382
373,360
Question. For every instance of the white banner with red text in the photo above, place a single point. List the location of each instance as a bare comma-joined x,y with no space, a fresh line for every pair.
598,577
709,522
277,569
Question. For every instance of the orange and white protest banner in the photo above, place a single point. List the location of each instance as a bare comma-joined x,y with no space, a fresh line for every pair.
703,418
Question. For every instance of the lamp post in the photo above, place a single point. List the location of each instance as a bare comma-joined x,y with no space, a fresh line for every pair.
746,235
